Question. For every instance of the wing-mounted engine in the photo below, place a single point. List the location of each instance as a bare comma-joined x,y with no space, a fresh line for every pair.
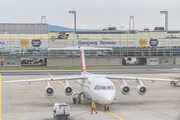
141,88
49,90
125,89
68,90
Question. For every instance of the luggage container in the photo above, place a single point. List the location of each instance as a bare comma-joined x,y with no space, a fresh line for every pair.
61,111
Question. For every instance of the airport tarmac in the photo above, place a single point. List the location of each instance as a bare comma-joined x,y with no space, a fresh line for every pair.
24,101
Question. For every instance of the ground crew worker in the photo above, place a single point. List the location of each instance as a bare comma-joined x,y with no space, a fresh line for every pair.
93,108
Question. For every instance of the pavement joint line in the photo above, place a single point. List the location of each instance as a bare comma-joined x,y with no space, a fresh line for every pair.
100,107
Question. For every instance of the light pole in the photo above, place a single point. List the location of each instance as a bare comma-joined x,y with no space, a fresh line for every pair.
74,12
121,27
131,18
166,19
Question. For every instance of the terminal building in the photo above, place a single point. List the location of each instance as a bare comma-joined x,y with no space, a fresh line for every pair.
30,41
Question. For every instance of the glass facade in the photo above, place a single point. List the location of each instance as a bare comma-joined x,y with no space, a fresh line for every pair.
124,44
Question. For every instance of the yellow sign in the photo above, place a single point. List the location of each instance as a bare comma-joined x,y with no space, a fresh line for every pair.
24,42
143,42
125,42
10,43
64,36
2,58
53,38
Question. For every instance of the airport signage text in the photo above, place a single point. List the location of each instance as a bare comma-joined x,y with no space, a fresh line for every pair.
47,43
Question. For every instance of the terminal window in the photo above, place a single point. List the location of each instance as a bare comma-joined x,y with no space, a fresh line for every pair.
166,61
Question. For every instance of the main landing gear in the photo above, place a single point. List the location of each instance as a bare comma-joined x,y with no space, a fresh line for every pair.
77,97
106,108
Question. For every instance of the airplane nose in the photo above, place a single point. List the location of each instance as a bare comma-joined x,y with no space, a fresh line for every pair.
108,98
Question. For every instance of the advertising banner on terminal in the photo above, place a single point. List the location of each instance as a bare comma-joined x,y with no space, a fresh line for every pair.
88,43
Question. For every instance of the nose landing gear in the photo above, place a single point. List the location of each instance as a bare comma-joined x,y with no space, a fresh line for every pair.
106,108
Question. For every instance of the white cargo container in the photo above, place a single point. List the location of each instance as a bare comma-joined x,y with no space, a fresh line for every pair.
61,110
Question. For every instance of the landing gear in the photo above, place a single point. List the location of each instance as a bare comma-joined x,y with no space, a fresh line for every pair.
106,108
77,97
74,100
174,84
79,101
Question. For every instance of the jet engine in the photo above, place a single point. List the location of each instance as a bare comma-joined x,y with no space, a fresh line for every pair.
49,90
125,89
68,90
141,89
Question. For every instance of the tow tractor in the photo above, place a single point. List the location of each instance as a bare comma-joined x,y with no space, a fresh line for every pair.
61,111
175,83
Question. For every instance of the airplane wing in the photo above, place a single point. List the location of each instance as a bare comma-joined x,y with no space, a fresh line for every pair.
48,79
137,78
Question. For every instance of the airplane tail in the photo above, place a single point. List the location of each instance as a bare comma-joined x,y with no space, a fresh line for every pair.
83,65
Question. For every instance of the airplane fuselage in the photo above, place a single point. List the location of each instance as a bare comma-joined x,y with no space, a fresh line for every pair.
97,88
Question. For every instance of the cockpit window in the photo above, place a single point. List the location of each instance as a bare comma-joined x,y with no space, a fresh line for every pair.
103,87
97,87
109,88
112,87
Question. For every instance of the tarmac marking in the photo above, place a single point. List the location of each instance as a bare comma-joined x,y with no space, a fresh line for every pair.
14,118
100,107
0,97
59,81
111,113
65,85
118,113
120,110
166,74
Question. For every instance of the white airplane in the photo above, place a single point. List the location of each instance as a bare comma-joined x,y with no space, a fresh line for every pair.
91,86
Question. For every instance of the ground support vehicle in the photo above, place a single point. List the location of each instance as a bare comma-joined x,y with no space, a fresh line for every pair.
61,111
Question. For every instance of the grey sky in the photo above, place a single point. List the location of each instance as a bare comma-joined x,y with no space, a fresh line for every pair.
92,14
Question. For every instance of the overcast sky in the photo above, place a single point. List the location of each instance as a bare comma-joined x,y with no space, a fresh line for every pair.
92,14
